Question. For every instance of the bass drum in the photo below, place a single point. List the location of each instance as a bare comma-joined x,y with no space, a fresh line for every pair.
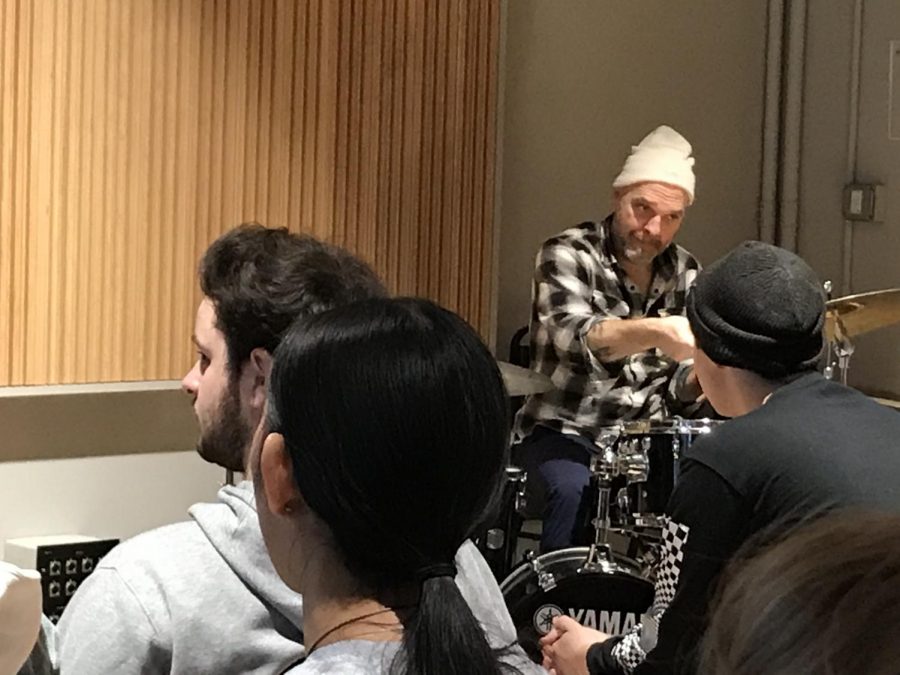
608,596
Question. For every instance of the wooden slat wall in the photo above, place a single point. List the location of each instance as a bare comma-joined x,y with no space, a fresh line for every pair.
133,132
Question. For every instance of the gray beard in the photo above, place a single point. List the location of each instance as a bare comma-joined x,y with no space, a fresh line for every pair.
636,255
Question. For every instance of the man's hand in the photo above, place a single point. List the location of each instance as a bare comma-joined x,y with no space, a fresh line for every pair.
677,339
565,647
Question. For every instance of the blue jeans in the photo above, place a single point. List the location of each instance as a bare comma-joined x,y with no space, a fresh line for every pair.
558,473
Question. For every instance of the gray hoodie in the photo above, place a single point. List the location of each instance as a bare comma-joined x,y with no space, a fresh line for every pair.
202,597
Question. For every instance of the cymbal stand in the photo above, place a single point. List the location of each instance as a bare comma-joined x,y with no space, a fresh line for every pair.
828,372
843,347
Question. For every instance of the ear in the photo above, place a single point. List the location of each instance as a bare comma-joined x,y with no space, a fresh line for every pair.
277,473
260,365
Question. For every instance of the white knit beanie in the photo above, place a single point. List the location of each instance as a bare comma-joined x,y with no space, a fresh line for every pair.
664,156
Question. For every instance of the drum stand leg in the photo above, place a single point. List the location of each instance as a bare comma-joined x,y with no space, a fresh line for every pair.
605,467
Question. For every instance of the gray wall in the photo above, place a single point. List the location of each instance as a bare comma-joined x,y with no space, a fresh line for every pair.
823,153
875,247
584,80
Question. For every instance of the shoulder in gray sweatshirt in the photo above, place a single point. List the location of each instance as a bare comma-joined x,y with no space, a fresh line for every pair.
202,597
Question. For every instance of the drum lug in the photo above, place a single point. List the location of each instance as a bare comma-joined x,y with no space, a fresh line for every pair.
521,502
545,579
623,502
634,463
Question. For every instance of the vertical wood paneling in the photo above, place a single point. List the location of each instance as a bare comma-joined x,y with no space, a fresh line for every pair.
133,132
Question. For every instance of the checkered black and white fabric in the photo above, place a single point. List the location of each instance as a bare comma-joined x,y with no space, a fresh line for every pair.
578,283
674,538
633,648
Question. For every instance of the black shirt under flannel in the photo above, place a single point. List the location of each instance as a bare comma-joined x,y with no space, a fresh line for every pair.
578,283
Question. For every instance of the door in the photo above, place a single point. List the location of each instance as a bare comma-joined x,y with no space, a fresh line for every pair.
875,366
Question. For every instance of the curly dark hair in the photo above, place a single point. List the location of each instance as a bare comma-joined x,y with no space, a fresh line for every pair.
260,280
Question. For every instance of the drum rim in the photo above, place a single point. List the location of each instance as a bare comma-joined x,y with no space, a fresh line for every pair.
674,427
525,568
513,472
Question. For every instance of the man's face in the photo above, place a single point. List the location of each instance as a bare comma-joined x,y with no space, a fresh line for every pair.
647,218
225,428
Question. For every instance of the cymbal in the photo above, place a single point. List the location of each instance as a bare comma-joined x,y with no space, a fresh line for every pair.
889,402
863,312
521,381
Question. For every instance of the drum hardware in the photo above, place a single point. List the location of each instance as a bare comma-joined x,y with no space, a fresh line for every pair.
498,535
610,599
606,465
521,501
844,349
546,580
853,315
623,501
828,372
838,342
495,538
634,473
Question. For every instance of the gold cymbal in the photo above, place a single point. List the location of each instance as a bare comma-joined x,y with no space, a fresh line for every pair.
521,381
889,402
863,312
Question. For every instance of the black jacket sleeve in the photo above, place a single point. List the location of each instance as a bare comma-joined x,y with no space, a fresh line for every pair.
600,659
714,524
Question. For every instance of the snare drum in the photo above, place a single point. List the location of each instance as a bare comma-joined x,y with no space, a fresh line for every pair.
658,446
610,596
498,535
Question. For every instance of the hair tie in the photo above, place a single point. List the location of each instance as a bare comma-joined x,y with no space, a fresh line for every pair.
439,570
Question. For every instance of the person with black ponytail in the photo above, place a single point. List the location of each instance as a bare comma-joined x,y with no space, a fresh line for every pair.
384,441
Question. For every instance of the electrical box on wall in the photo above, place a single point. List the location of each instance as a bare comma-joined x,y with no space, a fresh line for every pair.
864,202
64,561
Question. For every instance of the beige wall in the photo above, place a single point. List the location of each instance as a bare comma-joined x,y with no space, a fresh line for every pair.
585,80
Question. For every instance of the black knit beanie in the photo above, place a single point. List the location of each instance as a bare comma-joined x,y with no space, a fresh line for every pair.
759,308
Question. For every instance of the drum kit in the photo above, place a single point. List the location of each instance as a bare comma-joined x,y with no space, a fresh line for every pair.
609,584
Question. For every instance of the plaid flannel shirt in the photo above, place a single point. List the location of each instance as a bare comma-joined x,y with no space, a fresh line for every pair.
577,284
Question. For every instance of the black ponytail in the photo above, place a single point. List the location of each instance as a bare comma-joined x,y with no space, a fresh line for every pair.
443,636
395,417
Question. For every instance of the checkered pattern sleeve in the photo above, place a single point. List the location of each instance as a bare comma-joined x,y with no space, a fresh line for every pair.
564,283
631,651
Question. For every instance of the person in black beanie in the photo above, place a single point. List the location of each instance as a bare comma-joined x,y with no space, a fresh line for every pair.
797,447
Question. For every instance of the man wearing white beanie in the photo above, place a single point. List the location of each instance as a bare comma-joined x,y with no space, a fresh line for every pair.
608,327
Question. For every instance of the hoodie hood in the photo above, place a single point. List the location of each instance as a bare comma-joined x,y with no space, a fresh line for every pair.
232,527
